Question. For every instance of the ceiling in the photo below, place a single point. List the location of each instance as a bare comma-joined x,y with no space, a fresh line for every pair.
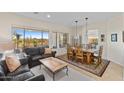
68,18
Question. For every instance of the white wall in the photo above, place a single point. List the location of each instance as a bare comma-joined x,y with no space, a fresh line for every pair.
7,20
113,51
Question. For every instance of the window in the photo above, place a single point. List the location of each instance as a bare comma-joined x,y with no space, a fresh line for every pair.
54,39
30,38
18,37
63,40
93,38
45,38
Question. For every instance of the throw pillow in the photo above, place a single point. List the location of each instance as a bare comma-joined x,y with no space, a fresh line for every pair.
12,63
48,50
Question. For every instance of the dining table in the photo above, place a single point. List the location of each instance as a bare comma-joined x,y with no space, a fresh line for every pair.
89,53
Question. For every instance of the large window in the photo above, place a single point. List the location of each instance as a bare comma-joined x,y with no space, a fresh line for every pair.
63,40
30,38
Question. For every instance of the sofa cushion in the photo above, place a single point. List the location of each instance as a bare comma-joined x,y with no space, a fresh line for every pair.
46,55
32,51
24,61
42,50
35,51
36,57
1,72
20,70
34,63
4,66
37,78
22,77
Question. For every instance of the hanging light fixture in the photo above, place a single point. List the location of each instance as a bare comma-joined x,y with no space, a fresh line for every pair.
76,28
76,35
86,36
86,25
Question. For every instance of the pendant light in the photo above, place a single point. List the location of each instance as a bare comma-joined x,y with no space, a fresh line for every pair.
76,34
86,35
86,27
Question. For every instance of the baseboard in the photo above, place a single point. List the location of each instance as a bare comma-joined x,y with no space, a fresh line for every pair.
116,63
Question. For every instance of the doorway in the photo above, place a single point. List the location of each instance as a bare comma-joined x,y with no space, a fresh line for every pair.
93,37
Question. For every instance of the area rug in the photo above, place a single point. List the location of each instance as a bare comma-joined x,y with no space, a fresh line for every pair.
92,68
73,75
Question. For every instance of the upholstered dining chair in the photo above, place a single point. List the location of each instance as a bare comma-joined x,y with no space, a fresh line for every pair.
98,56
69,53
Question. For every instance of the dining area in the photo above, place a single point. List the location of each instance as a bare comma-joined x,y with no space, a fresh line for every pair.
85,55
85,48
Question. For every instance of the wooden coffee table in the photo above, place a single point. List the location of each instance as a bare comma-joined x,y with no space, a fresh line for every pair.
54,65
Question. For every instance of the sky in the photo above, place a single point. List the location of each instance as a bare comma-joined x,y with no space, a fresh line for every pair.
33,34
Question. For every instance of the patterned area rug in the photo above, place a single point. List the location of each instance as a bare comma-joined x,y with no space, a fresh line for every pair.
92,68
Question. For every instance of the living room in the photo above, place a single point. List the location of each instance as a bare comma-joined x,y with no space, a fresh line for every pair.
57,30
61,46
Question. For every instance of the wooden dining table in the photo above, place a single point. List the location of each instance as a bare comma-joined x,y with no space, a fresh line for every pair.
89,53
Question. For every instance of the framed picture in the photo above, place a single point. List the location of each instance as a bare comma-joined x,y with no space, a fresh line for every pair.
123,36
113,37
102,37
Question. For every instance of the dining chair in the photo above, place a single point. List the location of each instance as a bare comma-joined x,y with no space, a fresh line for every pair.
69,53
98,56
79,54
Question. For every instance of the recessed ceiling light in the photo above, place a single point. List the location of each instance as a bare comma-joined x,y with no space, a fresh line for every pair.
48,15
